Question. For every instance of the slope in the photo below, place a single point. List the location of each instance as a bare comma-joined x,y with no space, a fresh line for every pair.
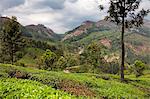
81,85
108,34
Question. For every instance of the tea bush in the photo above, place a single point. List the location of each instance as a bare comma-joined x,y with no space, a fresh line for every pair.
26,89
104,86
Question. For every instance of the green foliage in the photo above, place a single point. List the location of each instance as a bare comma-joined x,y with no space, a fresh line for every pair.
72,59
67,60
48,58
119,11
61,63
11,40
40,44
92,56
135,41
139,67
111,67
106,86
31,57
127,14
14,88
20,64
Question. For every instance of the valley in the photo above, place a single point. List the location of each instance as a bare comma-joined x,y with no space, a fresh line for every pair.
73,74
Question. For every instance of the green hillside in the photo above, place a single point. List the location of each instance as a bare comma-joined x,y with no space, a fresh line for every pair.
48,84
136,40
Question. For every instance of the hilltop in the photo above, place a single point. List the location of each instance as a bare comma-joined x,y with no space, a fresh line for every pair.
38,32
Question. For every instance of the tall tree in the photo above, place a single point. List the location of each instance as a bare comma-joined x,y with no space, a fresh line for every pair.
127,14
11,39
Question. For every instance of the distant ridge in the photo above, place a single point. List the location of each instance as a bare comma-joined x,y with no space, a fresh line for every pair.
39,32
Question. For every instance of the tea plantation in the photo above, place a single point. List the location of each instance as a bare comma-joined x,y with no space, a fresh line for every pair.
14,89
27,83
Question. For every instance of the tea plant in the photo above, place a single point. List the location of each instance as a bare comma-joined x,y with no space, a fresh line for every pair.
26,89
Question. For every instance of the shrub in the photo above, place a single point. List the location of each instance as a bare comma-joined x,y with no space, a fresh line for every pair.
20,64
139,67
26,89
48,59
61,63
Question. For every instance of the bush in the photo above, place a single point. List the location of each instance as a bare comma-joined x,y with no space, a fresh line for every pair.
139,67
20,64
26,89
61,63
111,68
48,59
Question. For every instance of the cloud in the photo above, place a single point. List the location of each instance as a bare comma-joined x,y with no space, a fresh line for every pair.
145,4
54,4
59,15
5,4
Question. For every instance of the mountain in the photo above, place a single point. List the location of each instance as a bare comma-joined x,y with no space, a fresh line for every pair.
39,32
79,30
89,26
137,40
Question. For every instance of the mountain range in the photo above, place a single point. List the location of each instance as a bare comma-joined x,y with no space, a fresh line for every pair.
137,40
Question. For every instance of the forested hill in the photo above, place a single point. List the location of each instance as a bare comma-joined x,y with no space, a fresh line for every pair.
137,40
38,32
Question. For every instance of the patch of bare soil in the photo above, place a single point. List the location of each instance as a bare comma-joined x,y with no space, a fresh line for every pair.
106,42
138,49
76,88
19,74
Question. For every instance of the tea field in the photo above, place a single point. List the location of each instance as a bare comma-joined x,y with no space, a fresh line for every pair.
28,83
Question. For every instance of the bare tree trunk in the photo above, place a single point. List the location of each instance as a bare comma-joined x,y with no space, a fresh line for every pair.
123,47
12,53
122,55
12,58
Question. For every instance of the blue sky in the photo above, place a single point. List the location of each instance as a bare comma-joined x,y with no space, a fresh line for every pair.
59,15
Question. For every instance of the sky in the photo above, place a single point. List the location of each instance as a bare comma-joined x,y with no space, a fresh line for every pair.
59,15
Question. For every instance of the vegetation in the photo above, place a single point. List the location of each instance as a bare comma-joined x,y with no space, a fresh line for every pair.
83,85
85,64
16,88
139,68
48,59
119,11
11,40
